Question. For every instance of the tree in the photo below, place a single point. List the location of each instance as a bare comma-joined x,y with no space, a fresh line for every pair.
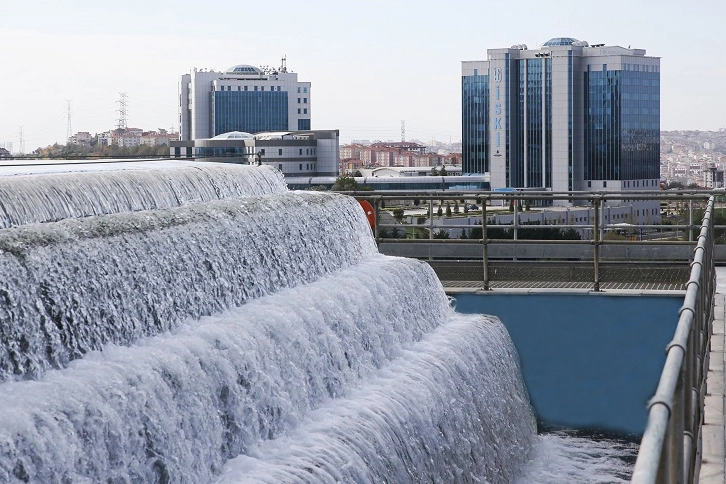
434,171
398,214
439,212
456,207
443,172
356,173
448,209
348,184
441,234
675,185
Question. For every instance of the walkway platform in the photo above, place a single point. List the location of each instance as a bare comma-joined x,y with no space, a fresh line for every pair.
713,464
467,276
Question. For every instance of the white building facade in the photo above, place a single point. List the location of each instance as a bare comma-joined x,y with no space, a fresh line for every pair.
243,98
294,153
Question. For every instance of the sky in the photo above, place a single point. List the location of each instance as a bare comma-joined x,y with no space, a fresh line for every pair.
372,64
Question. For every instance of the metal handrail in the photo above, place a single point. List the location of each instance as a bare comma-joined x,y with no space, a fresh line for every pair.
668,450
595,226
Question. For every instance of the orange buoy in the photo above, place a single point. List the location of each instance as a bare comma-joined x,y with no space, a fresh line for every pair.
370,213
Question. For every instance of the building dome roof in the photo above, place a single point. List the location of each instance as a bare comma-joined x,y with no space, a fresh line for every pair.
234,135
560,41
243,69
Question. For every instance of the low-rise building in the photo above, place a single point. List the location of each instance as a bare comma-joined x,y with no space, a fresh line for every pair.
294,153
81,138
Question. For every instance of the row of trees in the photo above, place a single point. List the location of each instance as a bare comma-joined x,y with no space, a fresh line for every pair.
99,151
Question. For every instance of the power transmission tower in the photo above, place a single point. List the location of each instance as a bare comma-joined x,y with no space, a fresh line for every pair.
69,129
22,141
403,130
122,111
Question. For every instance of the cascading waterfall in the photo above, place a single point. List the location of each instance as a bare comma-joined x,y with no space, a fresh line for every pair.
75,285
430,417
34,198
181,403
253,339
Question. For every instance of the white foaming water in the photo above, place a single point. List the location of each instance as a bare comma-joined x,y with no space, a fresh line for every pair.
73,286
563,457
257,339
38,198
452,408
178,405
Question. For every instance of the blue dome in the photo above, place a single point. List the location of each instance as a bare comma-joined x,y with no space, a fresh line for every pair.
560,41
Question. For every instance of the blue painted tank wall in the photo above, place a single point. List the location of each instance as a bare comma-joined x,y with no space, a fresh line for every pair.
589,361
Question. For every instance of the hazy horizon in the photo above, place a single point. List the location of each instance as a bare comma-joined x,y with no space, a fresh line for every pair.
371,65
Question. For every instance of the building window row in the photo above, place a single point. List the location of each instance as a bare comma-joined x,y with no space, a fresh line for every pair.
246,88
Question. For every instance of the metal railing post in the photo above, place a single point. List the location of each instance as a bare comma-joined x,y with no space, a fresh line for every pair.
431,224
485,243
596,242
376,209
675,439
690,220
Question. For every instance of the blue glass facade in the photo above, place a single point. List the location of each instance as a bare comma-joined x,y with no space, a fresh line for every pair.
545,119
622,124
303,125
475,109
531,159
548,124
570,116
249,111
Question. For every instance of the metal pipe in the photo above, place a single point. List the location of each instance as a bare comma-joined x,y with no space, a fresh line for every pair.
376,209
485,243
596,242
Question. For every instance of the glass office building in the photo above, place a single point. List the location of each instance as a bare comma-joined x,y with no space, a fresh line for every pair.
243,98
565,116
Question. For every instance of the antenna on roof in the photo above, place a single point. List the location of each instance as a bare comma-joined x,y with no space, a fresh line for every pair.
283,66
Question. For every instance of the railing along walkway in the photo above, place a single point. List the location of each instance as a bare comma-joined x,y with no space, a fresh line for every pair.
671,447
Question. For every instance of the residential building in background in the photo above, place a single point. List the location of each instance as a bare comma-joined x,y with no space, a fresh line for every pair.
81,138
693,158
565,116
403,154
128,137
243,98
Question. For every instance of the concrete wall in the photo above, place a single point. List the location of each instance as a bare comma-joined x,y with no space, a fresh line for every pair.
589,361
